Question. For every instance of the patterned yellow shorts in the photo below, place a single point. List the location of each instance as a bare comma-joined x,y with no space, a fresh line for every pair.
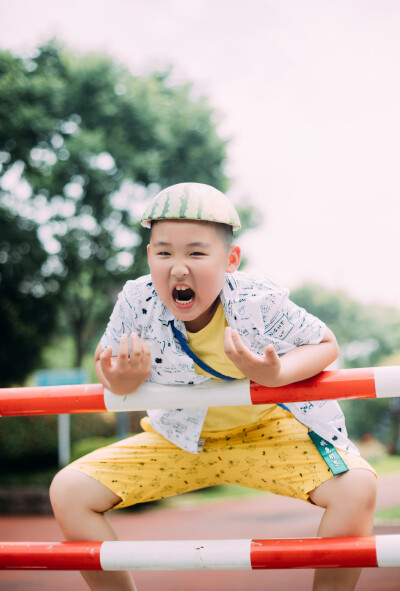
274,454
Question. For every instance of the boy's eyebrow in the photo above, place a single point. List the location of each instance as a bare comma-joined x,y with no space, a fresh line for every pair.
190,244
161,243
199,244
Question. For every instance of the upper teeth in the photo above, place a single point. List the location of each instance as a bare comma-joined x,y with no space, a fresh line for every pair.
188,296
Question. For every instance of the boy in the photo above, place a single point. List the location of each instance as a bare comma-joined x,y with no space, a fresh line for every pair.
195,302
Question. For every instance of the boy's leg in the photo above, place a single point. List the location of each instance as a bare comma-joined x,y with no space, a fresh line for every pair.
142,468
79,503
349,503
278,456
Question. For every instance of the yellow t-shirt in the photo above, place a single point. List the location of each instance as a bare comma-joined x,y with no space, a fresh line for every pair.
208,344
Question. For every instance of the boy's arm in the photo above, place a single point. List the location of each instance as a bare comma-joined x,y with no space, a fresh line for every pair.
124,374
270,370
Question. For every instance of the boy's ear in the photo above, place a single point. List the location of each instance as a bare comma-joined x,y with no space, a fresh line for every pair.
148,250
233,258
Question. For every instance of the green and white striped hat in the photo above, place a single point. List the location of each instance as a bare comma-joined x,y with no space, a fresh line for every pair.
191,201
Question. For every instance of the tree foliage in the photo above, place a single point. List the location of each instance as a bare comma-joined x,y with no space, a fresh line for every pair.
83,143
369,336
27,298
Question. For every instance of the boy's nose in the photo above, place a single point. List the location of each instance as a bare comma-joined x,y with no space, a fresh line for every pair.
179,271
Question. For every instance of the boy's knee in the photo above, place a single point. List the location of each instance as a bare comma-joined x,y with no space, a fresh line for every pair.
361,488
64,489
354,489
72,491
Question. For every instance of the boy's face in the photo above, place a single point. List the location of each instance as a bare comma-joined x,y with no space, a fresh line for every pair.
188,261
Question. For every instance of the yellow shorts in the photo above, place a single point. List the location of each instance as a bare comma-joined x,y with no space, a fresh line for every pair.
275,454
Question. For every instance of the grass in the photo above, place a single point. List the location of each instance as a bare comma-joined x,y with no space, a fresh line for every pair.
386,464
223,492
389,514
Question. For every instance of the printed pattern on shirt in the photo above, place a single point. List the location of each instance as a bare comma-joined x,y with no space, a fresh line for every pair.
262,313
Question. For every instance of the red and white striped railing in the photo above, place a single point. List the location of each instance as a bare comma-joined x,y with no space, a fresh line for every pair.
379,382
371,551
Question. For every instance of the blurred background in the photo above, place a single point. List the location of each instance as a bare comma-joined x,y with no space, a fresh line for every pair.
290,107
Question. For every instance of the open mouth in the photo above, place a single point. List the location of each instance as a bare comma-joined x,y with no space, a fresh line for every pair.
183,295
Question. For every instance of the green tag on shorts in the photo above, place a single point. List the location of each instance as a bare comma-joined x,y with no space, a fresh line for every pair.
329,454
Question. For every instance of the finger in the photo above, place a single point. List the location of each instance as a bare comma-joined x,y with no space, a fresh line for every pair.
145,349
106,354
140,361
238,343
140,352
270,353
136,351
146,357
229,346
235,350
123,352
239,350
105,359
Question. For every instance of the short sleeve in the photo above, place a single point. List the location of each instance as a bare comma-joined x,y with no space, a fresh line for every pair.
295,326
276,320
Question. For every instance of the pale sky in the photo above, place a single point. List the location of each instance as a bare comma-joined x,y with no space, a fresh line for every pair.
309,93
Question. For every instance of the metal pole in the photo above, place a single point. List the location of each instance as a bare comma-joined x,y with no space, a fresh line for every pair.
350,552
380,382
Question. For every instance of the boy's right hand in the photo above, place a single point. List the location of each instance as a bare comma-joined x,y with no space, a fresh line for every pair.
125,373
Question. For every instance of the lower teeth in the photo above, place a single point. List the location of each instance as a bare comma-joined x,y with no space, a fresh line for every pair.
184,301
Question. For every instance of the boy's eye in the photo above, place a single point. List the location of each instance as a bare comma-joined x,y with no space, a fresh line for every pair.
197,254
163,253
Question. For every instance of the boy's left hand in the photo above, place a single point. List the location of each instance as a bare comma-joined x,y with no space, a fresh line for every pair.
264,370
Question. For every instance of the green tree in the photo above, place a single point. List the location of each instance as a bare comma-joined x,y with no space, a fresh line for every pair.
27,298
366,334
83,143
369,336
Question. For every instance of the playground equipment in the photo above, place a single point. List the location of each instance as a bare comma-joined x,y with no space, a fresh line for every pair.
369,551
379,382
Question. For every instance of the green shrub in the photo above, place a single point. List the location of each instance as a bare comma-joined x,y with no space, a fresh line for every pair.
86,446
29,442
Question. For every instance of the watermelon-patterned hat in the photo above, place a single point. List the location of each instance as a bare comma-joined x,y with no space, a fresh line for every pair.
191,201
